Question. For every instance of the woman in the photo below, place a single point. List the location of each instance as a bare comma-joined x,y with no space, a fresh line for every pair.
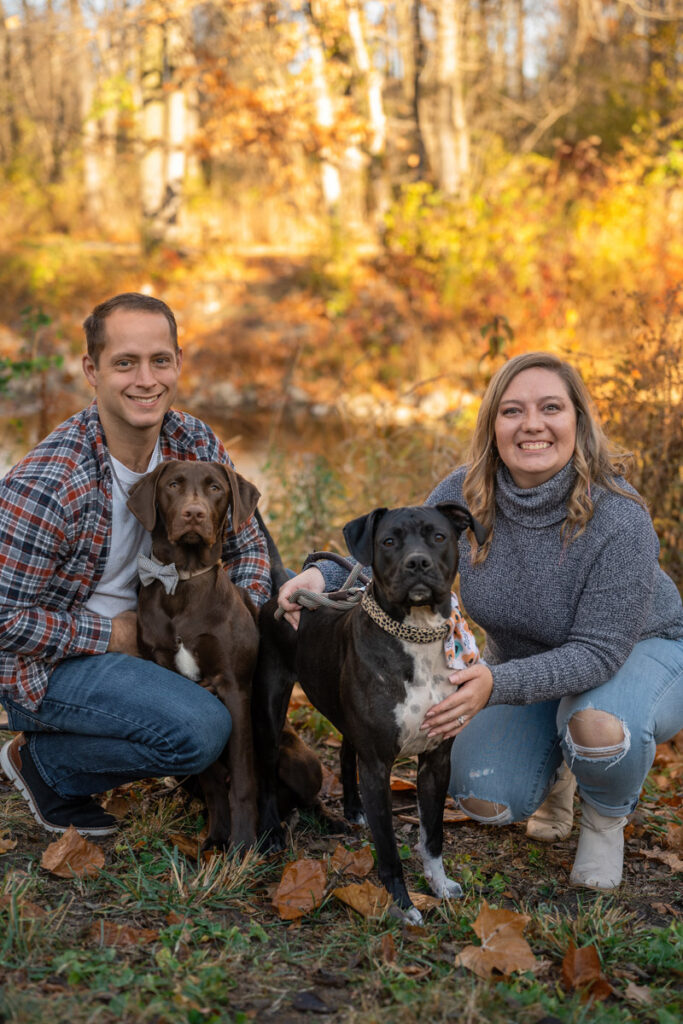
583,663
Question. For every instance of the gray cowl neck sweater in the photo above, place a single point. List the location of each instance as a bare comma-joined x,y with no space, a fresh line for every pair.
560,618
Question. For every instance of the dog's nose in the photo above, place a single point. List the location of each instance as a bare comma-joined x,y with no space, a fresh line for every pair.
194,512
418,561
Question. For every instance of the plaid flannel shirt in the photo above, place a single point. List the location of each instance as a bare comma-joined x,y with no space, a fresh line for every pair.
55,532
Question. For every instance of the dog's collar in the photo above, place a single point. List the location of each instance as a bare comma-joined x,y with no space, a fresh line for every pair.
151,569
412,634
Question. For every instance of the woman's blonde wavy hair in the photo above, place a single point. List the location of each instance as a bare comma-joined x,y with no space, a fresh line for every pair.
596,460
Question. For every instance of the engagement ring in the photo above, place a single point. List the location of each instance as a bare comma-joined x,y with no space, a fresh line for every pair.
461,720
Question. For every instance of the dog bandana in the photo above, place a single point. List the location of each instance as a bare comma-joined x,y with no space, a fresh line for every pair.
460,646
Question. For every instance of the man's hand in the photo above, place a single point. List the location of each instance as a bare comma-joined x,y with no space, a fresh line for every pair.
309,579
124,634
475,684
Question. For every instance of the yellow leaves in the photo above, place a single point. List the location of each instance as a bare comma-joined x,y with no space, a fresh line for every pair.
72,855
503,948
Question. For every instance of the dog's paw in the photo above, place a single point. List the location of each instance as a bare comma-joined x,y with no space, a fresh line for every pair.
451,890
409,915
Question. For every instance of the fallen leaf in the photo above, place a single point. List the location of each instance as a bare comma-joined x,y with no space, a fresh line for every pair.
398,784
187,845
72,854
310,1002
423,901
674,837
368,899
352,862
25,907
581,970
7,844
388,948
119,804
301,888
331,786
640,994
452,816
665,908
503,948
332,741
666,857
108,933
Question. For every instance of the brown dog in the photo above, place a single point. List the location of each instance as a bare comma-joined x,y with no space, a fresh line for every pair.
199,623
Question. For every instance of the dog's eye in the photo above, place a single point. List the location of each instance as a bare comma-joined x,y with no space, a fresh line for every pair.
388,542
172,484
439,538
215,487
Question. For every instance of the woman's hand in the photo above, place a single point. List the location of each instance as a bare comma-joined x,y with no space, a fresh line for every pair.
475,684
309,579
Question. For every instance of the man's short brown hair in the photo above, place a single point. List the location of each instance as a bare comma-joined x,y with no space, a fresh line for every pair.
95,324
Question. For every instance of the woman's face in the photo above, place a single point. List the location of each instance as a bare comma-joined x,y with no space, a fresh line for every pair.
535,426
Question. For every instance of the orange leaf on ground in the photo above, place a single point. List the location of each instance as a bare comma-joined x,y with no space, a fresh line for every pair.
72,854
189,845
352,862
581,970
398,784
301,888
451,816
7,844
25,907
503,948
388,949
368,899
423,901
108,933
674,837
666,857
331,786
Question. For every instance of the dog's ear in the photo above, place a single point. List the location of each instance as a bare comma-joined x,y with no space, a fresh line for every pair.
244,496
359,535
462,519
142,499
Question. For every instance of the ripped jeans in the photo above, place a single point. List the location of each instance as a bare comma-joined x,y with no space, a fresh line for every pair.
509,755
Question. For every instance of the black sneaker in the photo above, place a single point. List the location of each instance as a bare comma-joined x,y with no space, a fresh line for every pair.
53,812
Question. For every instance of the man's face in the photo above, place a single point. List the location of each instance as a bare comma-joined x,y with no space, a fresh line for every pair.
136,376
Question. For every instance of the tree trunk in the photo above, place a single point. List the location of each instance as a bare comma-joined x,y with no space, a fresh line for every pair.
452,127
324,116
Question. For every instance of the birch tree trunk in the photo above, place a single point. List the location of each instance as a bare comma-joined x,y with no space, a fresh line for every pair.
324,115
452,128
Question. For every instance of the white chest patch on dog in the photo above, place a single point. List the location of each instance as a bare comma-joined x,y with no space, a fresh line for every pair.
428,686
186,664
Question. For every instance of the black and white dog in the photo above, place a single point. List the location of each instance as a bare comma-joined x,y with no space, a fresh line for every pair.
374,670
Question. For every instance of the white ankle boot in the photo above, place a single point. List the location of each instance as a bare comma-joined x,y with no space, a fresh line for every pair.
599,861
553,819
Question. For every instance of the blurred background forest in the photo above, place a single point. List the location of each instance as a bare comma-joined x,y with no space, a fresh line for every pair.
357,211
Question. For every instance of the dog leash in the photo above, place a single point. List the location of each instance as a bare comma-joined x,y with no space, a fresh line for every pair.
348,595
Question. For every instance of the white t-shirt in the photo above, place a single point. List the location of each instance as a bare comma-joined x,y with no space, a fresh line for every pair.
117,590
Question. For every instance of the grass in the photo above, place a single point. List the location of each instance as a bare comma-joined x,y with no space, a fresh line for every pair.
214,949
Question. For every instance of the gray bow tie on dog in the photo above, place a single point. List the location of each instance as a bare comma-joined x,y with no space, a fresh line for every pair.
149,569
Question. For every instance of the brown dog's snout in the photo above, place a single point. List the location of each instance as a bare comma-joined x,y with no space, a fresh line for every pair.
194,511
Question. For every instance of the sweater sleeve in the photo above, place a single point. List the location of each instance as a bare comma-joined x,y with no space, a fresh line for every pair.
609,618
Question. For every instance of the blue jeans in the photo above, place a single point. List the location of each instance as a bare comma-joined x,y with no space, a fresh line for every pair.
109,719
509,755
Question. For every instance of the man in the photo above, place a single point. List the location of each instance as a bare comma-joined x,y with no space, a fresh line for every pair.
93,715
